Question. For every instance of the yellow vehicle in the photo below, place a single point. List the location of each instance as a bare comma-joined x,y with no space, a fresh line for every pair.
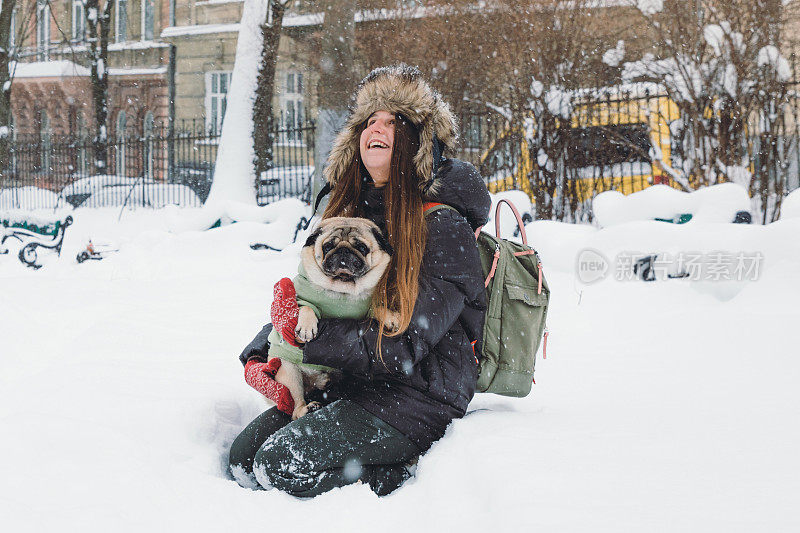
611,141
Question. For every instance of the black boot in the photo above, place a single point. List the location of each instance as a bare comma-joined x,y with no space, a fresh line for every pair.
385,479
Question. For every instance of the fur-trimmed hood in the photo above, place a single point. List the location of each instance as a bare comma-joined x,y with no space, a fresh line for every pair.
397,89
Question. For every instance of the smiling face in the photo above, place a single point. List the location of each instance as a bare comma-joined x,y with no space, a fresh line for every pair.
377,141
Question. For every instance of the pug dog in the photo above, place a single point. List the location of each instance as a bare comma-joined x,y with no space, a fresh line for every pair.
341,263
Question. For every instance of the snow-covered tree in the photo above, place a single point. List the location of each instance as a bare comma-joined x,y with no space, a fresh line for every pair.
515,59
543,72
6,11
337,77
720,62
15,27
263,114
98,23
776,119
234,170
450,41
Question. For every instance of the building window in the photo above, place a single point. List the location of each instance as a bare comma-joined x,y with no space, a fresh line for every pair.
122,124
148,20
42,29
45,138
148,130
217,84
78,20
121,21
12,37
292,105
79,125
81,139
13,121
148,125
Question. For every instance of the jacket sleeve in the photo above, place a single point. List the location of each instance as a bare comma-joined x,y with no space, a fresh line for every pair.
258,349
451,277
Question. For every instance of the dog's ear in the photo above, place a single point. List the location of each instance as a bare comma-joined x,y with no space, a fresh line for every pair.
312,239
382,241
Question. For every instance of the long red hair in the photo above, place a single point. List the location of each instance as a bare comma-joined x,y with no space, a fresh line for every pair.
405,223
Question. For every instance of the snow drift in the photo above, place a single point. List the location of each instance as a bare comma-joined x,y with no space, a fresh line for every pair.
716,203
659,407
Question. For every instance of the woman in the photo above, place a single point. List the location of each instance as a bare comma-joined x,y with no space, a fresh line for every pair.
401,389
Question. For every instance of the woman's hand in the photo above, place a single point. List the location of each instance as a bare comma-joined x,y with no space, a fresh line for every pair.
261,376
284,310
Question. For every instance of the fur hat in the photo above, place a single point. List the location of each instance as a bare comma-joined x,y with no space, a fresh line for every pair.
398,89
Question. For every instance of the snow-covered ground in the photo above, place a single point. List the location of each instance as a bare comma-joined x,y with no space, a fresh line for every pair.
664,406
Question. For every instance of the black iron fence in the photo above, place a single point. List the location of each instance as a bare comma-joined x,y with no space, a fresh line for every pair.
626,138
151,168
292,173
619,138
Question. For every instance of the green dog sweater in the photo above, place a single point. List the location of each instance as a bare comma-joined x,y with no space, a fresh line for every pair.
326,304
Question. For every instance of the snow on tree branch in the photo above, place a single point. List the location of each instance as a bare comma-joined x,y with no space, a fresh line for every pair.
650,7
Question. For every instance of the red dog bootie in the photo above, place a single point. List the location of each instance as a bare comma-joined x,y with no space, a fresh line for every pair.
284,310
261,376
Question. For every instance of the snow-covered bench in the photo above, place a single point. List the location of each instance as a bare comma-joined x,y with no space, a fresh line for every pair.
33,232
726,202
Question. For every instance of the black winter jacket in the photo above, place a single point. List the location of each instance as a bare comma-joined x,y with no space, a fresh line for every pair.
428,373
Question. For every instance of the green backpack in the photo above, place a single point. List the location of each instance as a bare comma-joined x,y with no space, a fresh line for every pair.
517,298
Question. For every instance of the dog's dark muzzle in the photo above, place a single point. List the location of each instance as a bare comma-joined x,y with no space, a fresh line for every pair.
344,264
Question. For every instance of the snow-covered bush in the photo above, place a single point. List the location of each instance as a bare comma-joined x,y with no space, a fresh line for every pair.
716,203
29,198
115,191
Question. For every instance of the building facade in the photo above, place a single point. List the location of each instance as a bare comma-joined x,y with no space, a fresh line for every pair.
51,87
155,46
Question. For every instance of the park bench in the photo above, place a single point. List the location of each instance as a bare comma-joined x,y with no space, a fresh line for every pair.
33,233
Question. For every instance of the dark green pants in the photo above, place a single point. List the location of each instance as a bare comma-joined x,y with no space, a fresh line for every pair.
335,446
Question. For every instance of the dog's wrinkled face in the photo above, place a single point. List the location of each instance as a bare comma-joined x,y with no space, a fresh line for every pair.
346,255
